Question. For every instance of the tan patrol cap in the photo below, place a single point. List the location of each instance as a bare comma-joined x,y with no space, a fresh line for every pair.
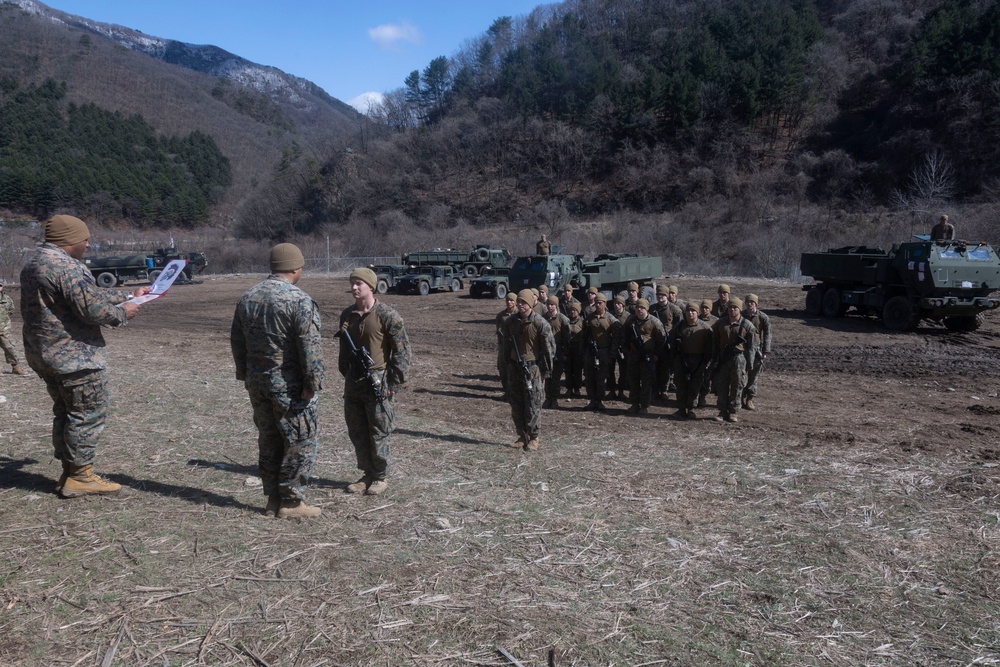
752,297
552,301
575,305
601,297
511,296
662,289
527,296
593,290
288,257
691,306
735,301
633,286
642,303
723,289
65,230
706,303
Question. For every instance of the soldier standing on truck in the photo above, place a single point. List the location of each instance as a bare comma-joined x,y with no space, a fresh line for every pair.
376,327
762,327
646,342
6,310
733,350
529,348
943,230
501,321
559,324
543,247
598,337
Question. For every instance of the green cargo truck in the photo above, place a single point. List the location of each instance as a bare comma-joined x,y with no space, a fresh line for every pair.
944,281
465,263
609,272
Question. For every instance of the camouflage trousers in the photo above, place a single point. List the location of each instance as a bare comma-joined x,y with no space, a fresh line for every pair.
641,375
287,433
369,426
502,368
664,374
573,368
9,355
729,380
554,379
79,413
617,373
753,371
525,399
689,377
597,373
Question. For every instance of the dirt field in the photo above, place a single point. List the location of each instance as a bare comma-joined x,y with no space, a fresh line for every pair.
851,520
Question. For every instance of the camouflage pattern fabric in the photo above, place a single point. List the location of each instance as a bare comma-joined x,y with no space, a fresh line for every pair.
79,413
287,440
6,310
762,325
729,380
278,352
63,311
534,340
501,322
560,333
691,356
730,375
370,423
525,396
275,339
642,360
573,363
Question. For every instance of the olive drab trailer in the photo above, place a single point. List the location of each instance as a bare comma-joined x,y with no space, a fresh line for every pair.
943,280
113,271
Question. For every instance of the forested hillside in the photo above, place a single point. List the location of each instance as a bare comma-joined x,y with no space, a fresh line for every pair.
737,132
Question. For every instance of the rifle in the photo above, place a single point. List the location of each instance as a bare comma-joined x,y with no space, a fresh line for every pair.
364,360
594,353
520,360
729,352
637,340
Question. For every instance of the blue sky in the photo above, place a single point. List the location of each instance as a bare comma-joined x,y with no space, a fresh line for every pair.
346,47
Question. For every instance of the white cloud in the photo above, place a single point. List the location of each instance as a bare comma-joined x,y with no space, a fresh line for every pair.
388,36
364,101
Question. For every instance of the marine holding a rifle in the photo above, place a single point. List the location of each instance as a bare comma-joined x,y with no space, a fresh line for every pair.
529,348
734,348
374,360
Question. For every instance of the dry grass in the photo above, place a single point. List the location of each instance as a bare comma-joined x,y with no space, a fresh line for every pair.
622,542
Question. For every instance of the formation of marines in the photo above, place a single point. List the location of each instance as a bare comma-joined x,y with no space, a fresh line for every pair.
647,350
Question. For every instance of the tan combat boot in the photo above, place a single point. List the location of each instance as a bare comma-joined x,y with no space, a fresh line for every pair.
297,509
748,403
532,444
359,486
67,469
517,444
17,370
377,487
81,481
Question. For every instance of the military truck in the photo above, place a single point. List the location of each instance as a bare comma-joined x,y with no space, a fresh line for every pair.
493,281
609,272
387,275
468,264
422,279
945,281
113,271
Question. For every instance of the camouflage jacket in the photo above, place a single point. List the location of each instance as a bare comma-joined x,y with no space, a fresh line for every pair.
275,339
534,340
6,310
63,311
762,324
393,356
733,339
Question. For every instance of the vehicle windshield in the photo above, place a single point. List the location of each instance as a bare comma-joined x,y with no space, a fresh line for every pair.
977,254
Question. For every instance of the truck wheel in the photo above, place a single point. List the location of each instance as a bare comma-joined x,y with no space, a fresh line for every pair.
814,302
456,285
648,293
898,314
831,303
964,322
381,287
153,275
500,291
106,279
424,288
470,270
482,254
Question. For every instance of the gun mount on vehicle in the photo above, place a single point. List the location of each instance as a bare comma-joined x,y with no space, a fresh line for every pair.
944,280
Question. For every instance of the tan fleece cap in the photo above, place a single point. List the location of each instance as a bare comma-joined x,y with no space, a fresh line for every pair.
286,257
64,230
365,275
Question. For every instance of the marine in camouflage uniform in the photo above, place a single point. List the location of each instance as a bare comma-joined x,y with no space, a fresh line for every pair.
669,315
559,324
762,325
599,334
501,322
617,370
567,299
589,308
530,349
720,305
6,310
646,342
278,352
733,349
379,329
691,354
574,356
706,316
631,297
63,311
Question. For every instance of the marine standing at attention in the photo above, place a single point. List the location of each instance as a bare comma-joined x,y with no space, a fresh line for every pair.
501,321
692,351
733,347
762,326
599,332
63,311
529,350
369,389
646,342
559,324
276,345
